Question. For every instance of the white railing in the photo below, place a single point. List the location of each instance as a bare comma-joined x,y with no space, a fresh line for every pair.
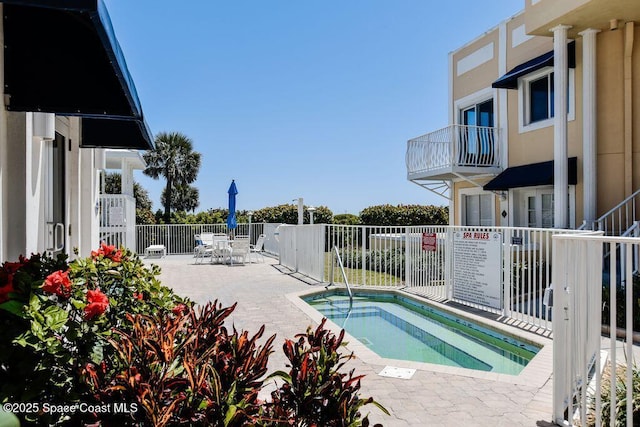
455,145
179,238
421,260
619,219
117,218
593,365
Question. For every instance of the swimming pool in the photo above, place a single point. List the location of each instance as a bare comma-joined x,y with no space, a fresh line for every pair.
398,327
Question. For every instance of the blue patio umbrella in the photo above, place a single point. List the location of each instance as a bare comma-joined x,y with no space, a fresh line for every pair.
231,219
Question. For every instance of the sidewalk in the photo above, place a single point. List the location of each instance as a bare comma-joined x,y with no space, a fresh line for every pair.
427,399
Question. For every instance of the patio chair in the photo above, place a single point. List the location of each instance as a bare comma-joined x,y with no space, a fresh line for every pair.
240,249
221,248
204,246
258,247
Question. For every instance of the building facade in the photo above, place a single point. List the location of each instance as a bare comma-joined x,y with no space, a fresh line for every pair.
67,96
517,154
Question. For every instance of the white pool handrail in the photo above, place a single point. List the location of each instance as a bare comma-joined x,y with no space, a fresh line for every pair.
344,275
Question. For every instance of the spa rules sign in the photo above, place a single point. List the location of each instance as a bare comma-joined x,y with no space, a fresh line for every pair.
477,266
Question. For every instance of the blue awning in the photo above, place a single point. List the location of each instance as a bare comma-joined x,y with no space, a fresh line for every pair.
510,80
62,57
530,175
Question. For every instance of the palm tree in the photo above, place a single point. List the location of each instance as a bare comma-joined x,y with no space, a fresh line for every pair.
184,198
174,160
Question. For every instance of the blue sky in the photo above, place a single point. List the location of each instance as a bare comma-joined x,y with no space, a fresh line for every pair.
298,98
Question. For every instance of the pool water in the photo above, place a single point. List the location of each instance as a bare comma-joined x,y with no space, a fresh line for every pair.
401,328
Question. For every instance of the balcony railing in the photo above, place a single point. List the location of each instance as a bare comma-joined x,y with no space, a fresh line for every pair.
456,148
117,219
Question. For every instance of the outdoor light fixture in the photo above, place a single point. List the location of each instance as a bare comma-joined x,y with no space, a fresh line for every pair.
311,210
44,126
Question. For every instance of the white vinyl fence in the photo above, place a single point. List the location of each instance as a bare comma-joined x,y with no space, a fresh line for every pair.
179,238
428,260
593,365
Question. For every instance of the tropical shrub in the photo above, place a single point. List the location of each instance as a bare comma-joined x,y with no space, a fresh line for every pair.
346,219
315,391
104,332
288,214
405,215
183,368
56,317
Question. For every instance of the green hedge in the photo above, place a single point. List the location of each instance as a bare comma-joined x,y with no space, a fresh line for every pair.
405,215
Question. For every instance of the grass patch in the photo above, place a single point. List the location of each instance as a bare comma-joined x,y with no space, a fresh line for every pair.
355,275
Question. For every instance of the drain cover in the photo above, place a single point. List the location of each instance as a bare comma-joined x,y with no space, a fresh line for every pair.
393,372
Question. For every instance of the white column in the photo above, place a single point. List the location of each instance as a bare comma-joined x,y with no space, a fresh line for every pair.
560,152
300,211
589,143
126,178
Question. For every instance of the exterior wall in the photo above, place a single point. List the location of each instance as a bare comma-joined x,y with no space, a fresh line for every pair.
473,64
618,166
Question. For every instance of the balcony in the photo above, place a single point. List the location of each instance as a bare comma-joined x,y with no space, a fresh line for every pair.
457,151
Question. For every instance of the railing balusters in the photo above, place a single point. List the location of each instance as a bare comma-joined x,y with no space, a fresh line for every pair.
455,145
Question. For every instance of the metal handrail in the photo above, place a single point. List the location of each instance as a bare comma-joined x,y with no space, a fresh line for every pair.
344,275
601,222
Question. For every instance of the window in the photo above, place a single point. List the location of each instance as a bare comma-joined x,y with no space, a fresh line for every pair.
538,208
476,137
477,209
536,93
541,98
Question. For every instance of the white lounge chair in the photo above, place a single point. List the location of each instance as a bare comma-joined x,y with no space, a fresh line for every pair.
240,249
258,247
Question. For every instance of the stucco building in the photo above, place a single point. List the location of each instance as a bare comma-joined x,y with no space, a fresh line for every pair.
517,154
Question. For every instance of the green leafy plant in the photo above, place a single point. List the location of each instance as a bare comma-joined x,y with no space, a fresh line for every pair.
102,330
56,316
315,392
621,398
404,215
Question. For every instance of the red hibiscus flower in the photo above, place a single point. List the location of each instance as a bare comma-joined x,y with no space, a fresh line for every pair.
58,283
138,296
97,304
108,251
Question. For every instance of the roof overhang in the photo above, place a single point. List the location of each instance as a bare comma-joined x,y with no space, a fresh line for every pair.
530,175
510,80
115,158
62,57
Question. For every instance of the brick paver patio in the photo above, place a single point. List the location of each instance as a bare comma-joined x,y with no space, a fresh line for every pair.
428,399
